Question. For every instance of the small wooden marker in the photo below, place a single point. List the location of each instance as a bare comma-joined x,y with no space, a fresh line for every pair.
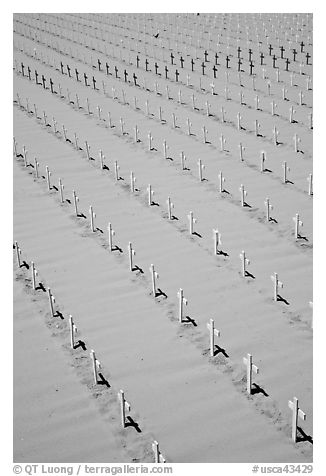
217,241
73,330
18,253
132,182
124,406
92,217
310,185
61,188
150,141
75,199
111,235
244,263
158,457
34,274
36,164
154,276
192,221
48,175
269,207
250,368
96,366
170,206
277,284
200,170
243,194
296,412
182,302
131,253
221,182
297,224
87,150
25,156
51,301
241,150
212,334
286,169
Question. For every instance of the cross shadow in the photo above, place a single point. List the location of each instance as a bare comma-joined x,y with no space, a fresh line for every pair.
282,299
41,287
273,220
68,140
220,350
301,237
155,204
303,436
246,205
225,191
137,268
105,167
197,234
102,380
249,275
268,170
67,200
99,229
222,253
58,314
24,265
116,248
159,292
255,388
189,320
81,215
169,158
173,217
289,181
81,344
55,187
131,422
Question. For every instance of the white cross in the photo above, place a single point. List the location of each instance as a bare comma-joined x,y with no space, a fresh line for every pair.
212,334
192,220
73,330
296,412
124,406
297,224
154,276
200,170
250,368
111,234
92,215
170,206
241,150
158,457
132,253
96,365
51,301
243,195
116,170
277,284
182,301
244,262
75,200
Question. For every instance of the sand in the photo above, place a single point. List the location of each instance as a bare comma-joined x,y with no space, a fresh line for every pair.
195,406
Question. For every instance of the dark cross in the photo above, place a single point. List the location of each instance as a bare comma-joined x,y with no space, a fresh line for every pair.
214,71
51,85
176,75
61,66
192,65
301,46
23,67
239,51
181,61
107,68
250,54
29,72
227,61
156,67
116,71
262,58
99,64
203,66
43,81
294,53
287,62
85,79
172,58
274,61
76,72
251,66
239,64
68,69
282,51
36,76
307,58
166,72
137,61
206,55
146,64
94,82
270,50
135,79
216,58
126,76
